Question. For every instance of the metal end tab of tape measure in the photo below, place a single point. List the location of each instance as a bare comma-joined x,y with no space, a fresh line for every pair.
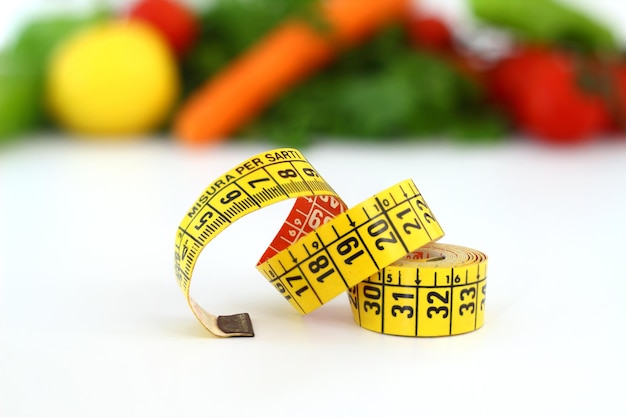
323,250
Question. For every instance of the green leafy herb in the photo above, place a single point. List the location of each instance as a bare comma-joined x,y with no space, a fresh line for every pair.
382,89
229,27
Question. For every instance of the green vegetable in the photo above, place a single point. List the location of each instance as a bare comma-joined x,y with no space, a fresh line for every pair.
382,89
229,27
547,21
22,69
19,97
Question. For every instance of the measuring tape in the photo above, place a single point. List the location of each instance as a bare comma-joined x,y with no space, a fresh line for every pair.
352,246
262,180
323,250
437,290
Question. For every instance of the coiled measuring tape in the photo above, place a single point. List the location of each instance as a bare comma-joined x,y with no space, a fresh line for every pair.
437,290
322,249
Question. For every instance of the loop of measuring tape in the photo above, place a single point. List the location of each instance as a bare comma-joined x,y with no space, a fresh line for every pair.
437,290
352,246
323,250
258,182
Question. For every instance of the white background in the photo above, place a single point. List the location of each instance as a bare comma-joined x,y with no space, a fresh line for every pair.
92,322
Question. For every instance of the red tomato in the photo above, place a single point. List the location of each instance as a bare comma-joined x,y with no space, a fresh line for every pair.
176,22
558,113
619,91
430,32
539,89
509,76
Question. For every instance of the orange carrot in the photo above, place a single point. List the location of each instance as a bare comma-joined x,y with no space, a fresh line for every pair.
285,57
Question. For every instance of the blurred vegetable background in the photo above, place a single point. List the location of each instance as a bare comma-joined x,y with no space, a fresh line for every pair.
297,70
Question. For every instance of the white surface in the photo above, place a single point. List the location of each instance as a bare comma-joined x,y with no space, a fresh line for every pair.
92,322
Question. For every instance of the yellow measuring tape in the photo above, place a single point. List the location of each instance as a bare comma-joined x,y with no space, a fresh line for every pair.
437,290
323,250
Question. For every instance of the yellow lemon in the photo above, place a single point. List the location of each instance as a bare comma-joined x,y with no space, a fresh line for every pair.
116,79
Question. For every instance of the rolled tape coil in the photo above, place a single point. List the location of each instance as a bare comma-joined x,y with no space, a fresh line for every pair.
437,290
322,249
